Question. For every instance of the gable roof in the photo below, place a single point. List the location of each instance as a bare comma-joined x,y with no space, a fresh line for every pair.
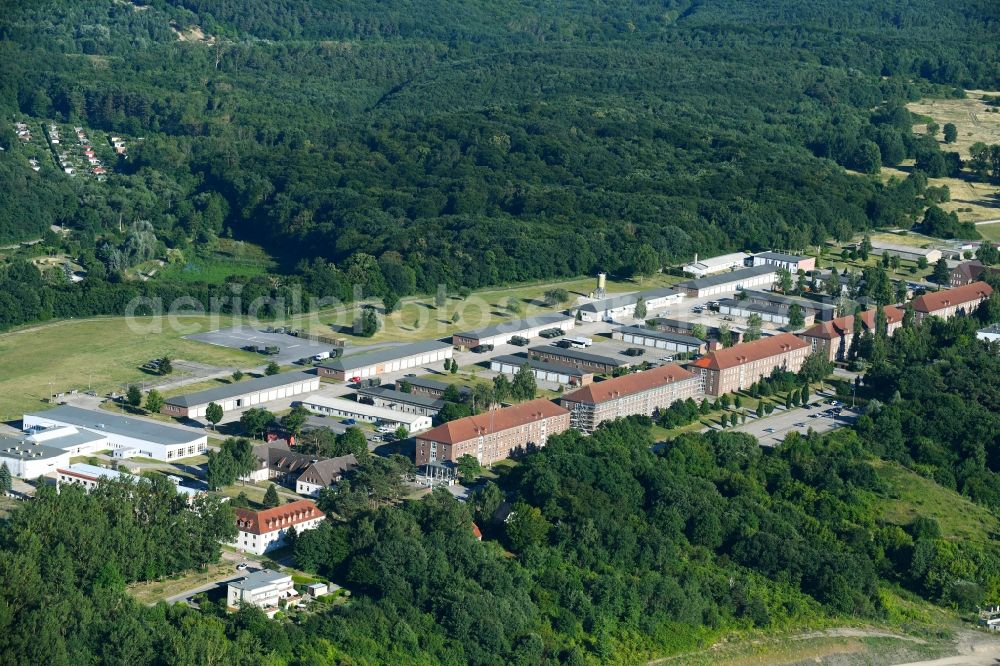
329,471
364,359
748,352
841,326
520,360
281,458
612,389
269,520
388,393
726,278
498,420
661,335
516,325
240,388
627,299
970,270
580,355
939,300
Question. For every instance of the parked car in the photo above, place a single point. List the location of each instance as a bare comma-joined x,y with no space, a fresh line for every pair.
479,349
241,566
634,351
769,430
349,422
800,424
519,341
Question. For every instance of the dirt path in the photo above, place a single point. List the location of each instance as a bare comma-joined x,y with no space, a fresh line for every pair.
974,649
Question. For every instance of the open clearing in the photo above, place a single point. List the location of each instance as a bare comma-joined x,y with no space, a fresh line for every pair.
101,353
970,116
971,200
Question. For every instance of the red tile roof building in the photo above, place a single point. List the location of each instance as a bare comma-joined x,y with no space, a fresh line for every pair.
739,367
493,435
638,393
833,338
265,530
950,302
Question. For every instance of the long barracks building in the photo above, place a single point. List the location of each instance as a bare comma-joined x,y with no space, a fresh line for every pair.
638,393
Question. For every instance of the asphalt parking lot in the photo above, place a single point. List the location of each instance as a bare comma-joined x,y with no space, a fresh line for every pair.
771,430
291,348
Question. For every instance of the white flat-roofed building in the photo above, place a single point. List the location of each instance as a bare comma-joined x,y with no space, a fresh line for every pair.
989,334
390,359
153,440
712,265
502,333
359,411
28,460
264,589
70,439
239,395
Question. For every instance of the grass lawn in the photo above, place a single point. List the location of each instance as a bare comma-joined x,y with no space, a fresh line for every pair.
990,231
911,495
102,353
419,319
152,592
255,492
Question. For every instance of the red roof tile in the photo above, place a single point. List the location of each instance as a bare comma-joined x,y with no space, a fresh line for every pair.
841,326
939,300
637,382
269,520
747,352
462,430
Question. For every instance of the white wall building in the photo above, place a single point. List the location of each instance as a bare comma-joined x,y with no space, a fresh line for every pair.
152,440
989,334
390,359
27,460
264,589
359,411
261,531
240,395
88,476
501,333
324,474
730,283
725,262
617,307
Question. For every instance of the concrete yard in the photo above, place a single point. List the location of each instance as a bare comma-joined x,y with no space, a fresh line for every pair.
291,348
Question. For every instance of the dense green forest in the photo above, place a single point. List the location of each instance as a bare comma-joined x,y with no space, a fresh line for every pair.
471,144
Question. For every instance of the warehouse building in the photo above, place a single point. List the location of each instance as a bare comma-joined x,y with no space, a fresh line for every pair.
502,333
493,435
790,262
29,460
583,360
624,306
240,395
125,434
73,440
548,372
812,310
648,337
390,359
730,283
688,327
359,411
428,387
638,393
390,398
739,367
720,264
906,252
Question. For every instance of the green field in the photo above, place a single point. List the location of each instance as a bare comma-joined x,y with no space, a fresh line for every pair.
990,231
102,354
